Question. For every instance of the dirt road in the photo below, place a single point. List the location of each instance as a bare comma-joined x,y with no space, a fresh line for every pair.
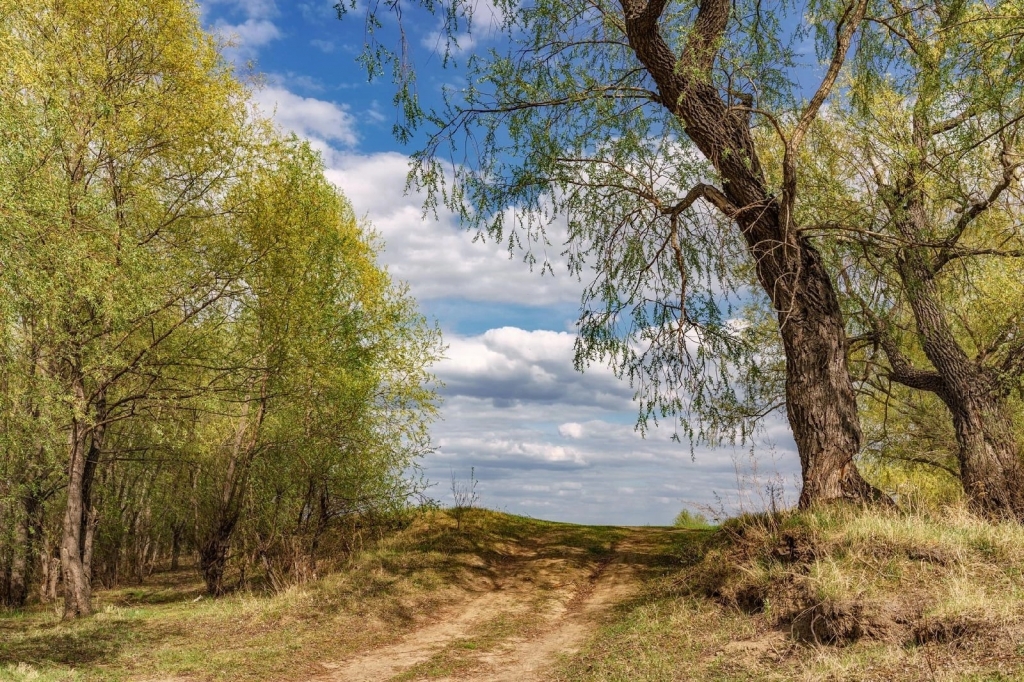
535,606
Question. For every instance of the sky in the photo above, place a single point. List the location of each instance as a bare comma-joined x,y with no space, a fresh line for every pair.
539,438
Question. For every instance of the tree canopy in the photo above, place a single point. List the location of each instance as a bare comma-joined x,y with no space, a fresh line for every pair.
200,349
707,154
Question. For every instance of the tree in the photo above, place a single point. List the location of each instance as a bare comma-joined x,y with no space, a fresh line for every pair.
122,133
191,317
640,122
917,175
331,404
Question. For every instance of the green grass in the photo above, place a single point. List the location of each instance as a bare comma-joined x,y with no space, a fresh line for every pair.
832,594
167,627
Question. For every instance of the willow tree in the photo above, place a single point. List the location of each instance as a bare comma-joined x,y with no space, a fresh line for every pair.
636,121
917,177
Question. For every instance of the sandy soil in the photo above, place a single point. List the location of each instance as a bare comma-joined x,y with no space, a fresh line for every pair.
547,607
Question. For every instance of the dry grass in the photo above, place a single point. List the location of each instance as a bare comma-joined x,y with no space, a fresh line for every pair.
834,594
167,629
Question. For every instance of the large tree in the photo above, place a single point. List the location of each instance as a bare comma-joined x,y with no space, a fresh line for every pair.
640,121
916,179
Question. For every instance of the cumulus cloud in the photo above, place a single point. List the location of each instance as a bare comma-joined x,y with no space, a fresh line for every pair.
558,449
248,27
571,430
438,257
321,122
509,365
485,17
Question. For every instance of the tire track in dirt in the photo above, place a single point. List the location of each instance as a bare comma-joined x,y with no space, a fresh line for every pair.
558,623
611,582
455,623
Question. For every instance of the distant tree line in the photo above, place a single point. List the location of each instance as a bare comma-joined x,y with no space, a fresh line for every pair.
200,358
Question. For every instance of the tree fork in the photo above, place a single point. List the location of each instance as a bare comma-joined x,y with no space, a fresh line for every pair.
820,399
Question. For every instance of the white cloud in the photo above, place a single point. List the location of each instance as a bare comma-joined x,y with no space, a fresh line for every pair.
317,120
249,28
251,34
510,365
253,9
439,258
318,12
325,46
513,400
571,430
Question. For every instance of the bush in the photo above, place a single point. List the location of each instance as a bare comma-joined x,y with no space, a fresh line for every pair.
691,520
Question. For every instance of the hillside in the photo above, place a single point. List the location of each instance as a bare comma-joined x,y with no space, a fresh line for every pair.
831,595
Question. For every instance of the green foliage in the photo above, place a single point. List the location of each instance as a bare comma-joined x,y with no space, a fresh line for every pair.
691,520
188,304
561,125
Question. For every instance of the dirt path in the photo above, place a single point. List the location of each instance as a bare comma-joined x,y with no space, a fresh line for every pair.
537,609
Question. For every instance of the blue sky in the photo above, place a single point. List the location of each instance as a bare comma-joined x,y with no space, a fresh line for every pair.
542,439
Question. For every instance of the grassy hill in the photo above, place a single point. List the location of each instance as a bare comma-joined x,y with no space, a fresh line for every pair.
834,594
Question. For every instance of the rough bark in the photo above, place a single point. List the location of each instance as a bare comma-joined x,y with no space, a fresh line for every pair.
990,463
821,404
79,526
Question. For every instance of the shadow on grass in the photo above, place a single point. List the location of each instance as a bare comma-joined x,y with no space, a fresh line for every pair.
96,641
493,546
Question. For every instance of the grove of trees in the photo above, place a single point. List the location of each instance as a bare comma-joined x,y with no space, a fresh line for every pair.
852,166
199,354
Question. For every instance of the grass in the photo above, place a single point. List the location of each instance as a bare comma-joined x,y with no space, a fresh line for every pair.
168,628
832,594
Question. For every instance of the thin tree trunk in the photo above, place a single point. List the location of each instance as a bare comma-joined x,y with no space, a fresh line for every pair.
49,559
177,530
214,550
76,591
79,517
21,563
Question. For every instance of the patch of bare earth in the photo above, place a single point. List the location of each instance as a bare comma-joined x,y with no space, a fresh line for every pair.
536,610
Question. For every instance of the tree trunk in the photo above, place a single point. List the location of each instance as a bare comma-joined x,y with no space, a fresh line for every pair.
214,550
213,557
49,561
820,400
990,464
177,530
79,517
77,597
21,563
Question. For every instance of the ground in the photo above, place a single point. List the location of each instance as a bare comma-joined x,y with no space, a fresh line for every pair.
498,597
